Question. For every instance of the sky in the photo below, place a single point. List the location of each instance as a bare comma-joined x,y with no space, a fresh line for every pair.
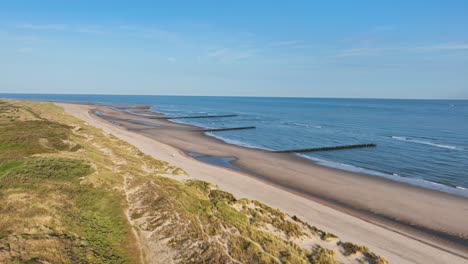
355,49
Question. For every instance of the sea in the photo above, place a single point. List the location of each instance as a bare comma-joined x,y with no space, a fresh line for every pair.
419,142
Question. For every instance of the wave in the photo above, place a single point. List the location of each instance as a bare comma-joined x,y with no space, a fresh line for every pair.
458,190
236,142
299,124
424,142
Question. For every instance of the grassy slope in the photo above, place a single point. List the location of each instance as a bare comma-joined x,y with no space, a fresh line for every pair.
47,214
71,194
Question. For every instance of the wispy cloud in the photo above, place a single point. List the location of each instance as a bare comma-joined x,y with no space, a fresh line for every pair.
151,32
286,43
371,65
218,52
373,51
289,44
384,28
444,46
230,55
85,29
361,52
44,26
240,55
94,30
171,60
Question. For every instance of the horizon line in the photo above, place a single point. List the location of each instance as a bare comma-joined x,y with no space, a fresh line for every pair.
244,96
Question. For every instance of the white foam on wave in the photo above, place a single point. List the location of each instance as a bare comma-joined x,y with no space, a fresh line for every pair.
434,144
185,122
308,125
424,142
236,142
394,177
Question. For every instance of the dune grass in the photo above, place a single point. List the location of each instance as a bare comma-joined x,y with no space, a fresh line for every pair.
323,256
85,225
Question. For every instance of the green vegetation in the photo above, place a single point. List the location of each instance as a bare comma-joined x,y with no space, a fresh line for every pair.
34,171
21,139
248,252
100,223
351,248
44,207
323,256
327,236
216,215
71,194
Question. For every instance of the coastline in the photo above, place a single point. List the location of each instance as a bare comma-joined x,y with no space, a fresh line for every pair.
330,180
455,190
144,110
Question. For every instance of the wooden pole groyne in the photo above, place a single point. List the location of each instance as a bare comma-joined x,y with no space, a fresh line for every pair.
327,148
184,117
223,129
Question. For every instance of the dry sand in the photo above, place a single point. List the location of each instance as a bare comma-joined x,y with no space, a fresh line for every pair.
312,192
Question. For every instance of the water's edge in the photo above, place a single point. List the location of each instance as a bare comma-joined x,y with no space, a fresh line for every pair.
459,191
226,161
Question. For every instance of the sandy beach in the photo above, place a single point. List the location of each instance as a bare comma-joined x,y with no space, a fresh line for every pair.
404,223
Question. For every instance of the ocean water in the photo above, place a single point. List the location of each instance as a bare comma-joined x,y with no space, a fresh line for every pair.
421,142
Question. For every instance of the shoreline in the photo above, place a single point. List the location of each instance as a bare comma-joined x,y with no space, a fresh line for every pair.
143,111
239,190
249,168
435,186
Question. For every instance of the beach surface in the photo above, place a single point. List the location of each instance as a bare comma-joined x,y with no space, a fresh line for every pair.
404,223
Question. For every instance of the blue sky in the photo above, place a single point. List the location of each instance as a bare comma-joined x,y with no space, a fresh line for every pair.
376,49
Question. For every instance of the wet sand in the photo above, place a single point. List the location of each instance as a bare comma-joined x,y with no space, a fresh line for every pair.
403,222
